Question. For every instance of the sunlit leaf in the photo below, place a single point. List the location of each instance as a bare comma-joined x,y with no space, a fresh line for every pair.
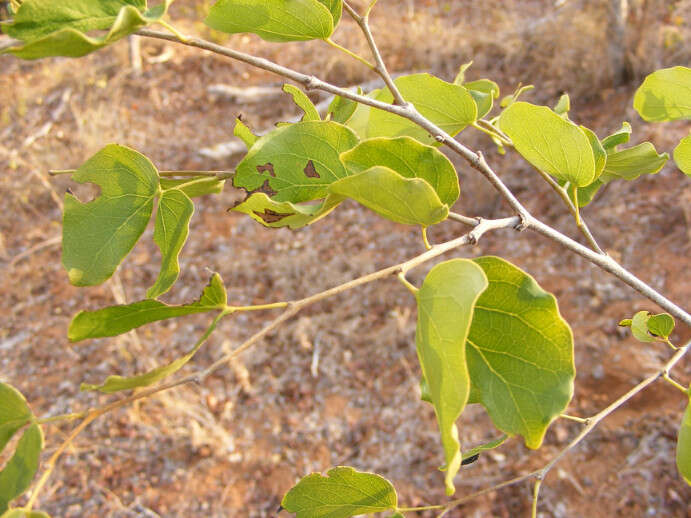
21,513
16,476
277,214
410,159
665,95
630,163
550,143
296,162
411,201
244,133
449,106
643,324
599,153
563,105
195,186
303,102
684,445
342,493
96,236
484,92
117,383
14,413
508,100
460,76
519,352
445,310
617,138
274,20
170,233
50,28
661,325
115,320
682,155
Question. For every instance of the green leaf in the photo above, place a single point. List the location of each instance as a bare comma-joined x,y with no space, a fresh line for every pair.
16,476
335,7
49,28
661,325
410,159
411,201
170,233
14,413
274,20
303,102
684,445
117,383
342,109
520,353
244,133
599,153
115,320
195,186
445,310
639,327
630,163
276,214
587,194
484,92
550,143
508,100
460,76
342,493
682,155
449,106
563,106
21,513
296,162
485,447
665,95
96,236
617,138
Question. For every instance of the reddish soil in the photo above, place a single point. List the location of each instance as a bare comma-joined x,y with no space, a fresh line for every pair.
338,384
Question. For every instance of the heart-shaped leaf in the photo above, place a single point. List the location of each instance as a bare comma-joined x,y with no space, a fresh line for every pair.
665,95
519,352
342,493
445,310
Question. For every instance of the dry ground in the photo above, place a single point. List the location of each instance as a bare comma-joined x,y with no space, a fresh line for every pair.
338,385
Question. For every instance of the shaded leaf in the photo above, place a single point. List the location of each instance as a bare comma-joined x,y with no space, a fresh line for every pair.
490,445
276,214
630,163
449,106
682,155
274,20
665,95
617,138
643,323
96,236
410,159
445,310
587,194
411,201
14,413
342,109
170,233
195,186
117,383
661,325
303,102
599,153
550,143
563,106
296,162
115,320
484,92
342,493
519,352
16,476
684,445
49,28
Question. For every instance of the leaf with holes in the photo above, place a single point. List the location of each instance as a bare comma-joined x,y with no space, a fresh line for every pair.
115,320
170,233
296,162
16,476
276,20
684,444
682,155
520,353
276,214
49,28
411,201
550,142
342,493
96,236
117,383
665,95
410,159
446,302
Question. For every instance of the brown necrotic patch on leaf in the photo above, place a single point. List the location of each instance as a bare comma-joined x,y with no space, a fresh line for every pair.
310,171
267,167
266,189
271,216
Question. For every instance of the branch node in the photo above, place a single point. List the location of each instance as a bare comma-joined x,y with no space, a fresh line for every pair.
311,83
440,138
